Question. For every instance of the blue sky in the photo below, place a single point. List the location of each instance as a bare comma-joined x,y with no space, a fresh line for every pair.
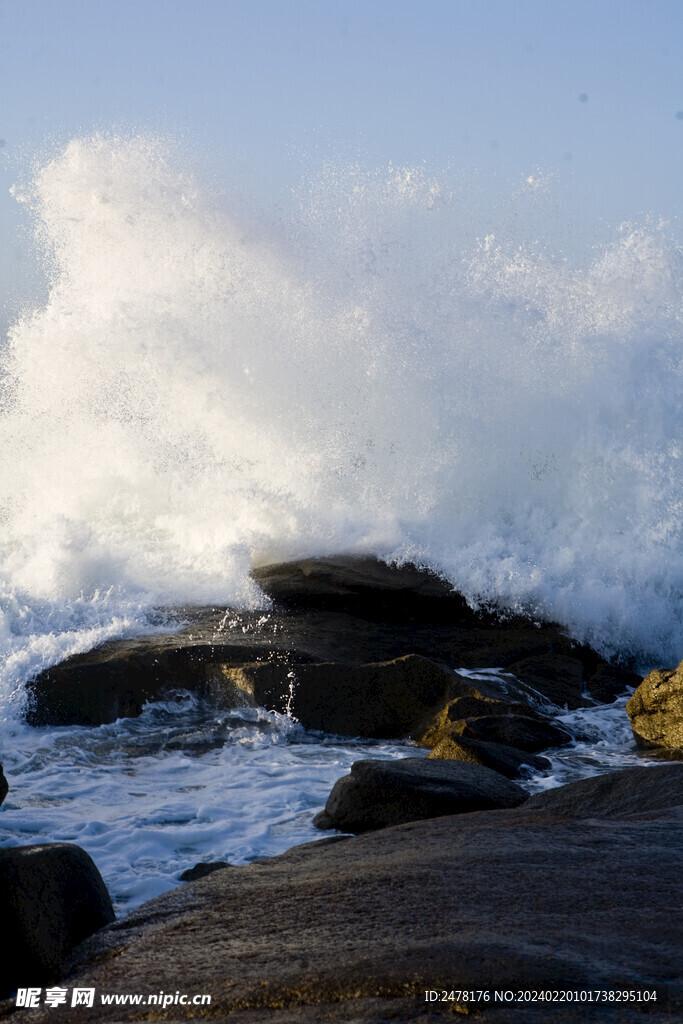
587,91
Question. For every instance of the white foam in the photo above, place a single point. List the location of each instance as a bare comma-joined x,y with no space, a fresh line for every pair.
150,797
602,742
201,393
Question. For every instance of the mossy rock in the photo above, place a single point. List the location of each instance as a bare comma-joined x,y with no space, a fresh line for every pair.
656,709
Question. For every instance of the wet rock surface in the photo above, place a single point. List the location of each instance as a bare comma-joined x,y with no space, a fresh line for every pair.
382,699
521,731
532,898
343,612
4,785
202,869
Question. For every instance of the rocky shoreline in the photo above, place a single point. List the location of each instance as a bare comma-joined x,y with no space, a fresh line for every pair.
573,891
454,880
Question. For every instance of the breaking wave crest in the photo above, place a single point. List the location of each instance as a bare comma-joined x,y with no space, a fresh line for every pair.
202,392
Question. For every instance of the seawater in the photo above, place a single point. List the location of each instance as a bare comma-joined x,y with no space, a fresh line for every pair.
185,782
206,389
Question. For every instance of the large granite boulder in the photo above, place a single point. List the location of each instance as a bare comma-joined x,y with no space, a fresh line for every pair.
358,930
336,612
656,709
51,898
378,794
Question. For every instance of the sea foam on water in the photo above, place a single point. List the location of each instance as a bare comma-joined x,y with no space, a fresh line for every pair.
202,393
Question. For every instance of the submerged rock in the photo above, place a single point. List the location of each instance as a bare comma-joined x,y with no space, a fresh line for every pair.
378,794
51,898
656,709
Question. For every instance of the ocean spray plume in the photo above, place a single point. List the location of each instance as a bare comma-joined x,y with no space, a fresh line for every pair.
198,396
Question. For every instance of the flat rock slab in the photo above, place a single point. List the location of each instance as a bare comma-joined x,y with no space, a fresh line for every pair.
356,930
630,791
378,794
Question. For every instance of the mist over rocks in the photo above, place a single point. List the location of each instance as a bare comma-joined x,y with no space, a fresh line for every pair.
192,417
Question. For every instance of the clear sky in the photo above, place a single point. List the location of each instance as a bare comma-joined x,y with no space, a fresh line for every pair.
588,91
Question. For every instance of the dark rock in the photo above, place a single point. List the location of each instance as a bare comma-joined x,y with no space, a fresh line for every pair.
381,793
51,898
384,700
4,787
630,791
498,757
345,611
494,733
609,682
558,677
656,709
410,696
476,706
519,899
115,680
369,589
520,731
202,869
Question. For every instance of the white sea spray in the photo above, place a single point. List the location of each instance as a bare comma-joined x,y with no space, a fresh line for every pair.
202,393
